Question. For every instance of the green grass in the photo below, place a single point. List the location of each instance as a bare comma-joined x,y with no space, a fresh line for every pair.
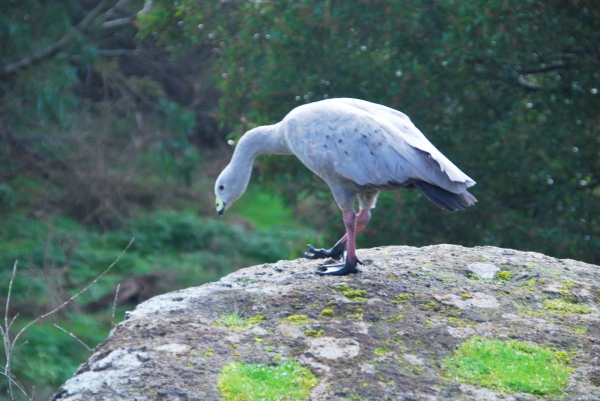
509,366
253,382
234,321
264,210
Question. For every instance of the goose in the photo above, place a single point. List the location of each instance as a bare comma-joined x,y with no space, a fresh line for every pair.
358,148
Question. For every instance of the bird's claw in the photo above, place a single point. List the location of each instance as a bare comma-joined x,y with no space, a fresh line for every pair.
336,252
346,268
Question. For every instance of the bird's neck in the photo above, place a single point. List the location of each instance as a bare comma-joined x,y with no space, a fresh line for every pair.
267,139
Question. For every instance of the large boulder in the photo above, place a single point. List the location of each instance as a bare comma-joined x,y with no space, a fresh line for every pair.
384,333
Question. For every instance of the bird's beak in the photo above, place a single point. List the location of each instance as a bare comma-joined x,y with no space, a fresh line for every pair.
220,205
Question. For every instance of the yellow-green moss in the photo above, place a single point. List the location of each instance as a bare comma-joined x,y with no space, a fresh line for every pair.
504,275
509,366
565,305
382,351
297,319
313,333
244,382
355,295
327,312
402,298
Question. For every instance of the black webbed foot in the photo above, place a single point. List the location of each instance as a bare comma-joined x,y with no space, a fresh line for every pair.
346,268
336,252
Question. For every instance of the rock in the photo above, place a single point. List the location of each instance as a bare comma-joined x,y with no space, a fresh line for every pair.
477,300
418,308
333,348
483,270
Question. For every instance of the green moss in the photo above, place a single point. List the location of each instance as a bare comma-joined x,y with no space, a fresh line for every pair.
255,320
233,320
327,312
313,333
382,351
508,366
504,275
565,305
355,295
402,298
465,296
297,319
249,382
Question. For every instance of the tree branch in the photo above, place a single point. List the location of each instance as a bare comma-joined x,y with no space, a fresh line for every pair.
34,58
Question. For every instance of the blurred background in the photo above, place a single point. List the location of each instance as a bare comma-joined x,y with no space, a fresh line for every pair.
115,116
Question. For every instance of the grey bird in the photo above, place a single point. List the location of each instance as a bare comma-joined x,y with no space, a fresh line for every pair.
358,148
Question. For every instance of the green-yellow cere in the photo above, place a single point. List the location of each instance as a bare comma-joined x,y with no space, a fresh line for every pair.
297,319
250,382
565,305
510,366
355,295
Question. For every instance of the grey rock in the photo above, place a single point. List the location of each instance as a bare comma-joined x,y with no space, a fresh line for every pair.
414,315
483,270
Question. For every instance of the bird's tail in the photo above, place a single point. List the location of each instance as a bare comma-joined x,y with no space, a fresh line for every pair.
446,199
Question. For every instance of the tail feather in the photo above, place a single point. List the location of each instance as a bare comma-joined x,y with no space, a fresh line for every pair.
446,199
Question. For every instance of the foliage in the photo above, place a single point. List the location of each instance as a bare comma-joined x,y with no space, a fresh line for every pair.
508,90
58,257
247,382
509,366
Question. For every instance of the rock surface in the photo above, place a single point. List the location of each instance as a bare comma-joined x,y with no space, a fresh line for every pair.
419,305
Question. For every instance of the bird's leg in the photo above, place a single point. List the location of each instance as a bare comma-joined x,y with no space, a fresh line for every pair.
351,259
337,251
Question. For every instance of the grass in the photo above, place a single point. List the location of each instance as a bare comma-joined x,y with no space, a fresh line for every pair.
510,366
234,321
252,382
565,305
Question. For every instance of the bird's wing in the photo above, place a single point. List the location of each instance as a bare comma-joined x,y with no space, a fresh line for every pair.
384,146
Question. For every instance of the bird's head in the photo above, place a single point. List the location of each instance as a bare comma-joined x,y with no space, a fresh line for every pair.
228,188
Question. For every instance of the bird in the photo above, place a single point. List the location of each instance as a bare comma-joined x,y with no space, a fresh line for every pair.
358,148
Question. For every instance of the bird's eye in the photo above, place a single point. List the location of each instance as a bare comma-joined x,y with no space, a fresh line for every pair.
221,187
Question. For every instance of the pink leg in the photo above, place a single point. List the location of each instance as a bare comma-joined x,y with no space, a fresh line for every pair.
350,222
351,229
337,251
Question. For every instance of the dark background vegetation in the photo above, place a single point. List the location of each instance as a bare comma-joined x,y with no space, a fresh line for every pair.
114,117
